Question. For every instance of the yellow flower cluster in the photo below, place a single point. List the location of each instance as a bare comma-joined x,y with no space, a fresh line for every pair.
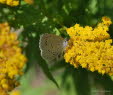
15,2
90,47
12,60
10,2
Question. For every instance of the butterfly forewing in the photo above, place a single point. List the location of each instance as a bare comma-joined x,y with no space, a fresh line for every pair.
51,47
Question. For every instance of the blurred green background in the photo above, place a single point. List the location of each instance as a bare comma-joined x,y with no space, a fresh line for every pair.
52,16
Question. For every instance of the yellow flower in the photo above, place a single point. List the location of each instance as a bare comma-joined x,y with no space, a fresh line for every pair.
106,20
12,60
10,2
15,92
2,1
90,48
15,2
2,92
29,1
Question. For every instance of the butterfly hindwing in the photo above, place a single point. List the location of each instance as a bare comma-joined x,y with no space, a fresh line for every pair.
51,47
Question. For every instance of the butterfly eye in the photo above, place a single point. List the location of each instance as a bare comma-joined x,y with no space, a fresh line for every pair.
65,43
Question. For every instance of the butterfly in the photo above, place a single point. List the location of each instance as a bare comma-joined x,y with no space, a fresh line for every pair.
52,47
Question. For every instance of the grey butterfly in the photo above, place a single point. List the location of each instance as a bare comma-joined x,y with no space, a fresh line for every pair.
52,47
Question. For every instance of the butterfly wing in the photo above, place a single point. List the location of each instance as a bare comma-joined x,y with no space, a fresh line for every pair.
51,47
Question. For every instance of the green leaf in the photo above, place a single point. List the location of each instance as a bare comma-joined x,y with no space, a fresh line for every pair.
81,81
47,72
